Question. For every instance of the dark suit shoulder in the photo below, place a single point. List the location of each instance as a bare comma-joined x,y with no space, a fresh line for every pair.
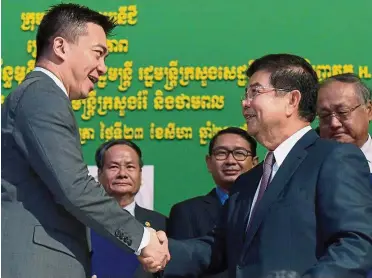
196,201
189,202
155,219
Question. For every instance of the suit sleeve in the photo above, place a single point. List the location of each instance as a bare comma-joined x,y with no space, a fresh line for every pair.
344,214
179,224
45,131
198,256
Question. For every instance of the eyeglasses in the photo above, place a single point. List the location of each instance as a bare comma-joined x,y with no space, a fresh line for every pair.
254,91
238,154
340,115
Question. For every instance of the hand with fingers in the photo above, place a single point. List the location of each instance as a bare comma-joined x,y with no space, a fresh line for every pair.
155,256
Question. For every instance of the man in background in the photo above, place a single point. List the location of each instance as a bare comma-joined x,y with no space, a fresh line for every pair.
119,164
47,196
345,110
231,152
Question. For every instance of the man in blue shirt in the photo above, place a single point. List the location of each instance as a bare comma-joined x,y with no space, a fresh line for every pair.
231,152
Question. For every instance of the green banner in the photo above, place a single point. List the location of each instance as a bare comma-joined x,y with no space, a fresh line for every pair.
177,71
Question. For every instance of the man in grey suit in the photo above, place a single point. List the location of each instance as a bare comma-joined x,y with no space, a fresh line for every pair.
48,197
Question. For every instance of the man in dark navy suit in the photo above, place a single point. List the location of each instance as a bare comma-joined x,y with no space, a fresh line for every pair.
119,165
308,208
345,111
231,152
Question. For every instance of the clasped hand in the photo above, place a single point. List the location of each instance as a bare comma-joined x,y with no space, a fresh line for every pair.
155,256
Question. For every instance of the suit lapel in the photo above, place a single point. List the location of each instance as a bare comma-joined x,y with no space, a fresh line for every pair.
245,199
212,203
140,214
280,180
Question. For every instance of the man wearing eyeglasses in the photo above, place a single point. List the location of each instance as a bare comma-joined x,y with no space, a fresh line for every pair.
231,152
345,110
308,206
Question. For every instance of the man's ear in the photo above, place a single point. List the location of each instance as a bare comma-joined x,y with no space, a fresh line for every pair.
369,109
60,47
294,98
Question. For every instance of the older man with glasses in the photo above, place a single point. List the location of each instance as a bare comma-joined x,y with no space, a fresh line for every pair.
307,208
344,109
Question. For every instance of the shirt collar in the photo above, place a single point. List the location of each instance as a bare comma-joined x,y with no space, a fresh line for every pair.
367,150
54,78
281,152
222,195
130,208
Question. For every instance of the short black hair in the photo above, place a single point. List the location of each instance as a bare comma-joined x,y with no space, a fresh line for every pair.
101,151
360,88
290,72
68,21
238,131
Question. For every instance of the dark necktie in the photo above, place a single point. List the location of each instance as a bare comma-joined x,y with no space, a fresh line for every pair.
267,171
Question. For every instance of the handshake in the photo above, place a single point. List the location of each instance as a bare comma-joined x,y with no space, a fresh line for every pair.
155,256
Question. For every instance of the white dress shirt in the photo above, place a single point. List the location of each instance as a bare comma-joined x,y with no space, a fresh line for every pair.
280,153
367,150
54,77
130,208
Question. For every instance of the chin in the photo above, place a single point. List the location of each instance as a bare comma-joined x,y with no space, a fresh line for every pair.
230,179
84,94
342,139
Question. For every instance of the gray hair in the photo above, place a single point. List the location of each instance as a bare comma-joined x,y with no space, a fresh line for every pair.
360,88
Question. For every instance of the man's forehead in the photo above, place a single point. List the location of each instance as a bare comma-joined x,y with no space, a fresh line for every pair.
259,77
336,88
231,141
120,151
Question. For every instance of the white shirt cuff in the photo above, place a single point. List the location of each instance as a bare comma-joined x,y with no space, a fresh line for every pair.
144,242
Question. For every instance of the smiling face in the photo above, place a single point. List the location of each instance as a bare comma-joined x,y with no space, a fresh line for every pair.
264,111
84,61
225,166
121,172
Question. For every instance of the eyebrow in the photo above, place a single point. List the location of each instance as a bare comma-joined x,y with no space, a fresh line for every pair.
104,48
255,84
334,107
227,148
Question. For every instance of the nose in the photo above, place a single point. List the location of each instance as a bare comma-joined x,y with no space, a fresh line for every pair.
230,159
102,69
122,173
334,123
246,103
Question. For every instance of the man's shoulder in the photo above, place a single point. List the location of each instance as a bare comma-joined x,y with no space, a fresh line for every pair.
151,218
194,201
152,212
327,147
36,85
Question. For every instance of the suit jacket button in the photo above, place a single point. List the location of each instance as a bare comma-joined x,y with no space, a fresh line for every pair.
129,242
